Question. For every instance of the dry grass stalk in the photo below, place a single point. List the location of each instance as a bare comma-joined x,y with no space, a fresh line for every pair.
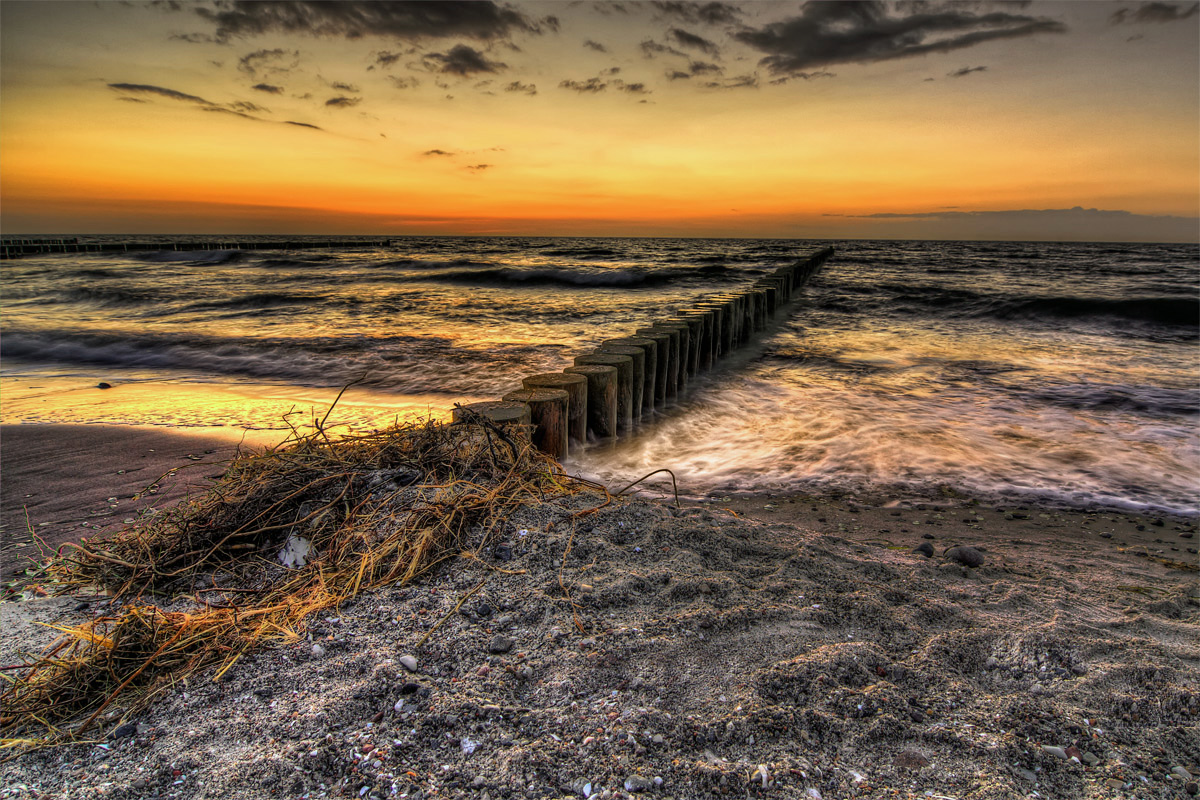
378,509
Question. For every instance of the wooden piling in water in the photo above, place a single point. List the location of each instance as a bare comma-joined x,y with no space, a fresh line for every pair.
577,397
650,377
638,379
624,365
704,338
685,344
548,413
671,387
662,375
602,398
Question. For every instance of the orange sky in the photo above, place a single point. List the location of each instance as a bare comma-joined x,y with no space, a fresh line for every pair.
971,120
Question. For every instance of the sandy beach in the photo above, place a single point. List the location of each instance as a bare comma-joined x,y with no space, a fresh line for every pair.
757,646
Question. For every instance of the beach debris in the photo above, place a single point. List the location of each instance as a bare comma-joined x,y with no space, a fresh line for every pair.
295,551
761,774
967,556
361,533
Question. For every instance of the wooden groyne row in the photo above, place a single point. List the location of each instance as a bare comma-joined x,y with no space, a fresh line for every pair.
613,390
15,248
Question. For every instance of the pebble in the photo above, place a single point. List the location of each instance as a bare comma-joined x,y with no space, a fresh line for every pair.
1114,783
1089,758
408,662
925,549
637,783
1179,771
128,729
1028,775
927,536
1191,788
967,556
501,644
1057,752
103,385
318,650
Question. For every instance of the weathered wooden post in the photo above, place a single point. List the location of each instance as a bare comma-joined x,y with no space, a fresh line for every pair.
638,385
602,398
663,377
577,396
720,324
498,411
624,365
694,329
707,318
548,412
650,347
685,346
672,357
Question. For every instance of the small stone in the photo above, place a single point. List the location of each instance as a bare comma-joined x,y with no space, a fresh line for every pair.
916,715
500,644
1108,536
122,731
479,782
637,783
408,662
1057,752
318,650
1089,758
139,783
1027,774
503,551
911,759
1114,783
103,385
925,549
967,556
1181,772
991,663
927,536
1191,788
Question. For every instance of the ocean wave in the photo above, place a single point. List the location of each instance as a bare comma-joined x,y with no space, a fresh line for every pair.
109,296
256,301
191,257
580,252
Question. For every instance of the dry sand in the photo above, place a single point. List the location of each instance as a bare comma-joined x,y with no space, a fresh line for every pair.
764,646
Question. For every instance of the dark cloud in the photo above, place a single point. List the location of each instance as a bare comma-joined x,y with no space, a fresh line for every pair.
191,38
865,32
651,48
1154,12
633,88
268,88
609,8
523,88
611,71
404,83
343,102
678,75
599,48
480,167
355,19
248,107
302,125
708,13
142,88
464,60
437,153
737,82
344,87
590,86
694,68
385,58
267,62
959,73
691,40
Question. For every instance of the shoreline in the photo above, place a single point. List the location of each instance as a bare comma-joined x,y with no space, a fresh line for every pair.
71,496
768,646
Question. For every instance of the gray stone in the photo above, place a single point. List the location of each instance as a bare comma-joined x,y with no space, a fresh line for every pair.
967,556
1057,752
408,662
637,783
500,644
925,549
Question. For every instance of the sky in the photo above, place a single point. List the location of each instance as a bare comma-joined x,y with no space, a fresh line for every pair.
1068,121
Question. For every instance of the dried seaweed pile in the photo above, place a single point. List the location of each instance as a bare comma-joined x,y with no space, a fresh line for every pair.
374,509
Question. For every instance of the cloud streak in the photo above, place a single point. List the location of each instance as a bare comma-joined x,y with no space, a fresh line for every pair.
826,34
136,91
1154,12
463,60
357,19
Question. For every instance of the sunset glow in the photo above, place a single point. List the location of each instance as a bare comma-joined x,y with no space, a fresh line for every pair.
751,119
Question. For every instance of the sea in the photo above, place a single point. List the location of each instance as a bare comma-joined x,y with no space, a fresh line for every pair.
1064,374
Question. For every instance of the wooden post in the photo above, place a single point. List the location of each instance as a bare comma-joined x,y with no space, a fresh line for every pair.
638,386
577,395
602,398
720,324
672,385
705,352
497,411
624,365
650,347
695,327
663,340
548,412
685,347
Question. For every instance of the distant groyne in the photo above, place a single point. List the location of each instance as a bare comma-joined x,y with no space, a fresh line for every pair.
15,248
612,391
